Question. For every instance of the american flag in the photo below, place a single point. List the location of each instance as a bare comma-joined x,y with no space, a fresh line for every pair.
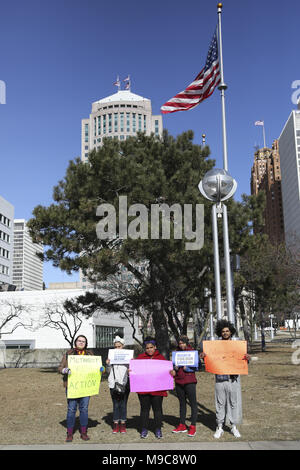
203,85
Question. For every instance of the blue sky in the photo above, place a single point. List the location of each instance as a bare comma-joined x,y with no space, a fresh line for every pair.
58,57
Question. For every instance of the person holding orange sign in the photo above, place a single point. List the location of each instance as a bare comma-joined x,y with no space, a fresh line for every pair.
228,398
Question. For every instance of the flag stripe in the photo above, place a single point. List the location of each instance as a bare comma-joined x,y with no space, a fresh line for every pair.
203,85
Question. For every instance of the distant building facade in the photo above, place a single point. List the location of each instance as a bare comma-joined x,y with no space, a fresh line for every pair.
266,177
289,149
118,116
6,240
27,267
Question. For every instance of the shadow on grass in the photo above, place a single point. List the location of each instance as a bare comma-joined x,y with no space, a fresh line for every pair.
92,423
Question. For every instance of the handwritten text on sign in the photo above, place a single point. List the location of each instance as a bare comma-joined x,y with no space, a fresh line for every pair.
225,357
84,380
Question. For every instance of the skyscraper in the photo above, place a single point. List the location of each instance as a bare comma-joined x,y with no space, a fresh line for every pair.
27,267
118,116
266,177
289,149
6,240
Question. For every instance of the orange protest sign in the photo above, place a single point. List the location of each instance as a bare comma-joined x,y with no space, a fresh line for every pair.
225,357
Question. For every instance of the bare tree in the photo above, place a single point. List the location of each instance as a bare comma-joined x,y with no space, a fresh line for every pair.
60,316
13,314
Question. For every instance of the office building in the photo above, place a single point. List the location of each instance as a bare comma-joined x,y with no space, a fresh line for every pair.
266,177
6,241
118,116
27,267
289,149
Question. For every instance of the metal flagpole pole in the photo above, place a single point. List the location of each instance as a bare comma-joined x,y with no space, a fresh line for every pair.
216,262
264,134
222,87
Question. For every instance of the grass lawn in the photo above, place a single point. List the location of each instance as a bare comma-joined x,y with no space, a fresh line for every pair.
33,405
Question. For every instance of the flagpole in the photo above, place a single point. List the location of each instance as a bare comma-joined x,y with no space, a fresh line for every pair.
264,135
222,87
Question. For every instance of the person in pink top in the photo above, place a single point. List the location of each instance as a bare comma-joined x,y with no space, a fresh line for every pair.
151,399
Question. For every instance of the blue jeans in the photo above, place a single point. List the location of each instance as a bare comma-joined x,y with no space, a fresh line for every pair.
83,404
119,407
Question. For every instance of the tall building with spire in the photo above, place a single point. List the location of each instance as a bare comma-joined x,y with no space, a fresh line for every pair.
118,116
266,177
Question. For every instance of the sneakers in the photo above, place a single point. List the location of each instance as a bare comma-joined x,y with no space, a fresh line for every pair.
218,432
144,433
158,434
180,428
235,431
192,431
122,428
116,428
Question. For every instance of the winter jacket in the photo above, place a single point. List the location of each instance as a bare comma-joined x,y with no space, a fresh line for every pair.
160,357
64,362
186,376
117,373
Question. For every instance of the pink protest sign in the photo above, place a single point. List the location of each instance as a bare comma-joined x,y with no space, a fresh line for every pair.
150,375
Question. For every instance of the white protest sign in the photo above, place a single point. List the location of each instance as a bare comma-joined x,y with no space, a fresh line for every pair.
120,356
185,358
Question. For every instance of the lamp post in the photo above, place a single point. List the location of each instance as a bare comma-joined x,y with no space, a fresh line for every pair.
217,185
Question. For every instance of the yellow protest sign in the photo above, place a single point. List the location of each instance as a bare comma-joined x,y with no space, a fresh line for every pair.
85,377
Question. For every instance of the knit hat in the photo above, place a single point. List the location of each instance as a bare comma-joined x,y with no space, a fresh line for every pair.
118,339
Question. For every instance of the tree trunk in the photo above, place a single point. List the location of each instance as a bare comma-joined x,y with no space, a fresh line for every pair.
161,330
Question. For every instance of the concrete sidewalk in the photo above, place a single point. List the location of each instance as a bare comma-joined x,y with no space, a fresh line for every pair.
165,446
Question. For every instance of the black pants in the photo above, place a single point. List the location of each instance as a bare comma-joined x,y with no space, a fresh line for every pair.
184,392
148,401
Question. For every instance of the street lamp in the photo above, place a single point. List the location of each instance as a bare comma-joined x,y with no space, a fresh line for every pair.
217,185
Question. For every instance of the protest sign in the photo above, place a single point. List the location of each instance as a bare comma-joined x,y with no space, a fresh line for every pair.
85,377
120,356
225,357
150,375
185,358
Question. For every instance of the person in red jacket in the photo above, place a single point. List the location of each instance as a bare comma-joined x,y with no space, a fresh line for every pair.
151,399
185,385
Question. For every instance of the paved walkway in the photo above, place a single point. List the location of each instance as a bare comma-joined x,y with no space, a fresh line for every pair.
165,446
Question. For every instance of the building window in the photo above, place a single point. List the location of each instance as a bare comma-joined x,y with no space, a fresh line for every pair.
145,127
116,122
105,335
99,125
133,122
86,133
128,122
110,123
140,122
121,122
104,124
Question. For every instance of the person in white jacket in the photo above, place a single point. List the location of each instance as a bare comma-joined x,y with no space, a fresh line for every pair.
118,373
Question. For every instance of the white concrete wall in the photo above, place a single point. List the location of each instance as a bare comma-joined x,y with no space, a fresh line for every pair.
35,303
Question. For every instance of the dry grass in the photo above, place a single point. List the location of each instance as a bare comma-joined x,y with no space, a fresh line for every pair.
33,406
